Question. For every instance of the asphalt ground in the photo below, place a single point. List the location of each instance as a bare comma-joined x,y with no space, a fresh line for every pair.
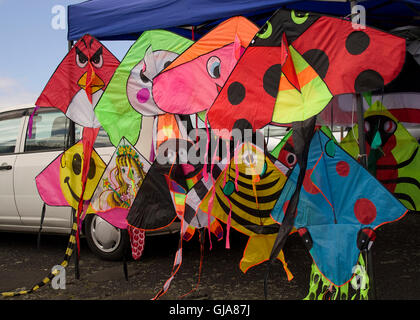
395,255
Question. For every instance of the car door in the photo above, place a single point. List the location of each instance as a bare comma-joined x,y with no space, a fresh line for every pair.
49,133
10,128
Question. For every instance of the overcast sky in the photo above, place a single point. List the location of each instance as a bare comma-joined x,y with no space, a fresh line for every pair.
32,45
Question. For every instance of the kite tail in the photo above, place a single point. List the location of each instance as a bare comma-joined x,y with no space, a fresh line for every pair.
213,191
201,240
175,268
52,274
205,173
228,223
235,160
216,229
320,288
88,139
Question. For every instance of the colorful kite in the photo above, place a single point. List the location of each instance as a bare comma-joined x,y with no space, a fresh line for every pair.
191,83
337,211
242,193
119,184
392,154
129,95
117,190
60,183
161,199
161,196
401,98
79,81
167,126
326,57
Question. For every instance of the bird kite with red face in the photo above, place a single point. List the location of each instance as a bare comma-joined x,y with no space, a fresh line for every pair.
79,81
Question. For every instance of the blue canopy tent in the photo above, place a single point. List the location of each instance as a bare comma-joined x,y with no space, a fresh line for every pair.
117,20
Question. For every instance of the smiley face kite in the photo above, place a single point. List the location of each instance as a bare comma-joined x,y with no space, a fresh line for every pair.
60,184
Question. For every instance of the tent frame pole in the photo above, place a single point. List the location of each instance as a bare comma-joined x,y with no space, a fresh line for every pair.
71,141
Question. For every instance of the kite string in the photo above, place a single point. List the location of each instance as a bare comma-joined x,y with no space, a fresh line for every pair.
213,192
201,240
235,160
352,121
226,169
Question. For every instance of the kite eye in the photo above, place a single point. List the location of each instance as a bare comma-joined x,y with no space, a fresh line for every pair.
97,59
77,164
291,159
266,31
166,64
143,77
213,67
390,126
92,169
367,126
299,17
81,59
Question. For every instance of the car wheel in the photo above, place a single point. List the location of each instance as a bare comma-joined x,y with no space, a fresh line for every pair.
105,240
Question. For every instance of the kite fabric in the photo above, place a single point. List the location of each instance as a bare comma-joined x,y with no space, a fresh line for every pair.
161,199
251,91
241,194
79,81
326,55
60,183
337,208
192,81
129,95
167,126
117,190
119,184
393,156
153,207
401,98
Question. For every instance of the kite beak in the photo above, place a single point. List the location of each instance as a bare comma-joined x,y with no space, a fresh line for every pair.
219,88
95,84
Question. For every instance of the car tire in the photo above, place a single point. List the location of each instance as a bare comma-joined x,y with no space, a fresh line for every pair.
105,240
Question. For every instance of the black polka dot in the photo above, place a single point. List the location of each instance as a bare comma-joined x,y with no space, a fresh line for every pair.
242,124
271,80
368,80
236,93
245,128
318,60
357,42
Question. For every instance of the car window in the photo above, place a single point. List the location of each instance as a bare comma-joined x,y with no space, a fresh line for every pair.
48,132
102,140
10,126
